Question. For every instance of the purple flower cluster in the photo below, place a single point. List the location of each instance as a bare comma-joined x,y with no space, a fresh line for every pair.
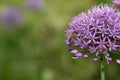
11,16
95,32
34,4
117,2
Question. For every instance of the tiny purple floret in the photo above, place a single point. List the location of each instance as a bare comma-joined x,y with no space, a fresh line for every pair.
79,54
109,59
95,59
85,56
73,51
118,61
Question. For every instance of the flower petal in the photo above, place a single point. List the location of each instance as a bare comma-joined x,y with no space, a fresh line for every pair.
118,61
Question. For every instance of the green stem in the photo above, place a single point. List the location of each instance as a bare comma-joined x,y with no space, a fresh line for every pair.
102,69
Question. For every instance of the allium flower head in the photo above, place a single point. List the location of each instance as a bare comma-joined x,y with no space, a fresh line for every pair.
34,4
11,16
117,2
96,32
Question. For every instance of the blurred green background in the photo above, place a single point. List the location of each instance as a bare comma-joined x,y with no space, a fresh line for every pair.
36,51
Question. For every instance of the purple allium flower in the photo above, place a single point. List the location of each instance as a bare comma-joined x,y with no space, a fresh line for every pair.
117,2
11,16
96,31
34,4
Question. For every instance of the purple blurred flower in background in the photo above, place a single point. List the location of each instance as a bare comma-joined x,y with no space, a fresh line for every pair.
117,2
95,32
34,4
11,16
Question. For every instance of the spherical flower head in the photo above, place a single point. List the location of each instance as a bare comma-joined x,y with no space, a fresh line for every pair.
96,32
34,4
11,16
117,2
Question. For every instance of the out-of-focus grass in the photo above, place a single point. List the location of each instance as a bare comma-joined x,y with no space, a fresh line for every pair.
35,50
